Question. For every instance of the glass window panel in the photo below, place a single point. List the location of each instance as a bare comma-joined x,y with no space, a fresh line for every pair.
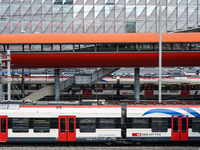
165,47
41,125
98,88
195,46
127,86
67,48
71,124
107,123
58,2
68,2
140,123
159,124
184,124
3,125
46,47
175,124
15,48
1,48
75,88
108,86
62,125
56,47
106,47
87,47
195,124
20,125
146,46
130,27
35,47
177,47
88,125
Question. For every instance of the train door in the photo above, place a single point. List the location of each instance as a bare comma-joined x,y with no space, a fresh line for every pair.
87,91
3,128
149,90
185,90
67,128
179,129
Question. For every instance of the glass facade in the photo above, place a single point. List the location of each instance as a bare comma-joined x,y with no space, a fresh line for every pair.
97,16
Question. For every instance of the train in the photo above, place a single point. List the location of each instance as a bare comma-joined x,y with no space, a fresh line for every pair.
124,123
108,88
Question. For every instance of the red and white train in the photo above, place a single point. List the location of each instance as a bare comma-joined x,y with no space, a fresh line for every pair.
116,89
101,123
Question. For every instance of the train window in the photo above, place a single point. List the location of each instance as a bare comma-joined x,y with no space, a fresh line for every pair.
75,88
108,86
187,88
20,125
88,125
174,88
164,87
62,125
98,88
127,86
175,124
3,125
159,124
195,124
71,124
140,123
107,123
184,124
41,125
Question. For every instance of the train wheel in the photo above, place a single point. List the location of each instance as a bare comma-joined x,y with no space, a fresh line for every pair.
109,143
138,143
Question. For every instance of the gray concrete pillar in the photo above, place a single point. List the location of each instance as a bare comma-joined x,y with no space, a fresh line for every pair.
137,85
57,84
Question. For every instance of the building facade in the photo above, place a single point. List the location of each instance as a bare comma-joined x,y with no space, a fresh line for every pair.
97,16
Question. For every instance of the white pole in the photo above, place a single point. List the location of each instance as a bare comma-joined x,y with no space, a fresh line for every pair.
160,51
8,72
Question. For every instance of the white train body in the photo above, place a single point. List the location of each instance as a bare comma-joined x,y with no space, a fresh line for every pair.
108,123
43,122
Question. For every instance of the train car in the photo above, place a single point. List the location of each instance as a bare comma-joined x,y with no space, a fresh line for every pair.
163,123
100,123
27,123
186,88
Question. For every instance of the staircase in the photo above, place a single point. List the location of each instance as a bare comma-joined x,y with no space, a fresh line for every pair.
80,79
45,91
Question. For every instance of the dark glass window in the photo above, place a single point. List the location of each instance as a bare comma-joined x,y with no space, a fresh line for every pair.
175,124
159,124
71,124
3,125
20,125
68,2
108,86
107,123
140,123
41,125
58,2
184,124
88,125
62,125
98,88
127,86
195,124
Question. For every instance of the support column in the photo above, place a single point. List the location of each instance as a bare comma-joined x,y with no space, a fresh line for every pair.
57,84
8,74
22,84
1,87
137,85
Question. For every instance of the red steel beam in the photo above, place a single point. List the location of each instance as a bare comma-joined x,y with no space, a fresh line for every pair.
74,60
